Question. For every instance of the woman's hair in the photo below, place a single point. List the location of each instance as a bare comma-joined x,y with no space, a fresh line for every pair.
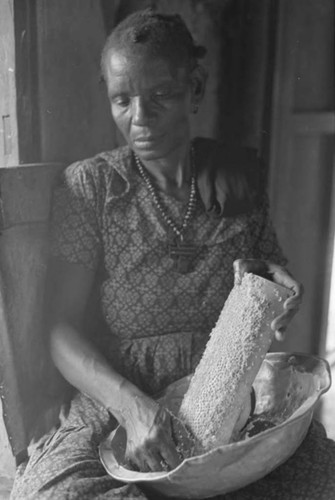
165,36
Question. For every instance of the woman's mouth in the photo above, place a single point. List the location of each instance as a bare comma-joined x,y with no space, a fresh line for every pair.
144,142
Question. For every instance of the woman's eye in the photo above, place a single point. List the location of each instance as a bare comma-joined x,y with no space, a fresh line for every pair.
162,94
121,101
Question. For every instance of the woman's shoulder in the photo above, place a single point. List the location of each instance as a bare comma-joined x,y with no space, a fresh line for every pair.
108,171
105,163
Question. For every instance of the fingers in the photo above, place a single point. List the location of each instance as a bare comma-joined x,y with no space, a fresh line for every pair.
280,335
295,300
155,456
242,266
170,456
279,275
147,460
281,323
273,272
167,447
291,305
156,451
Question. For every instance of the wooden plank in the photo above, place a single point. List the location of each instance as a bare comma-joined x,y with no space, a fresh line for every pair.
26,56
313,123
282,103
314,77
301,159
8,121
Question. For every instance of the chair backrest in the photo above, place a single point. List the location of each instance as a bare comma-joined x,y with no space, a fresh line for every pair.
29,385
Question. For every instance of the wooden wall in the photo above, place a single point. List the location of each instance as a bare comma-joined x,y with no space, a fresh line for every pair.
63,110
302,158
8,123
75,119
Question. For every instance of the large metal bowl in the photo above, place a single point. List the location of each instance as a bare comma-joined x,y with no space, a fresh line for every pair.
288,387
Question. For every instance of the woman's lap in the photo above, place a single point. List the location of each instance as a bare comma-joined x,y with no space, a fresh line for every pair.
66,465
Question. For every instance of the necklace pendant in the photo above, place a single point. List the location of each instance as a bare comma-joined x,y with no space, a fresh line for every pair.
183,255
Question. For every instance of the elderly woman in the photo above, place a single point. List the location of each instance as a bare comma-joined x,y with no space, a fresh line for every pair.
153,228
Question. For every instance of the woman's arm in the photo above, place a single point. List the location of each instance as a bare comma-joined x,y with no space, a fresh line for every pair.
75,357
82,365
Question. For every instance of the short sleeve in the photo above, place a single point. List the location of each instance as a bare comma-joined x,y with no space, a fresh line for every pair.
265,242
75,235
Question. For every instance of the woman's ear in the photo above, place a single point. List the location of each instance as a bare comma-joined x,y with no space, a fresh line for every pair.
198,85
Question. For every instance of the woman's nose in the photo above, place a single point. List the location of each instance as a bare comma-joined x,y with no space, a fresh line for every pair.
142,113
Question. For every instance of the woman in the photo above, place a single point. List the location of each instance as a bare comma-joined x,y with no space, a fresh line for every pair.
157,227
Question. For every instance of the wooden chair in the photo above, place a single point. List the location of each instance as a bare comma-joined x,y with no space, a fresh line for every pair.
30,387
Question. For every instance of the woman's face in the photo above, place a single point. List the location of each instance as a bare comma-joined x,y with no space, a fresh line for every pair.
151,102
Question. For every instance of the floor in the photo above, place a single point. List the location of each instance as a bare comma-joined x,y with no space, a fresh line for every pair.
7,465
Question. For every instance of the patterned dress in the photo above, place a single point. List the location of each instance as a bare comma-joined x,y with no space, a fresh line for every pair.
158,318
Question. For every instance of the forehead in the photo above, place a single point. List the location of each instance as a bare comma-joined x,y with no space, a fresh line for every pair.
140,65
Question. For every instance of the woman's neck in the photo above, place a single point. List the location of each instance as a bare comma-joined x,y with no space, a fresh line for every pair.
171,173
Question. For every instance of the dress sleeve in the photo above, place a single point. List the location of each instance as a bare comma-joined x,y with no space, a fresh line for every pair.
75,235
265,242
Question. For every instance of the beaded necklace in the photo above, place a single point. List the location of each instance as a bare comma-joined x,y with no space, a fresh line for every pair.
182,253
179,231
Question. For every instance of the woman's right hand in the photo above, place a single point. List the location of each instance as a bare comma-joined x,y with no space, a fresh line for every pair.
150,445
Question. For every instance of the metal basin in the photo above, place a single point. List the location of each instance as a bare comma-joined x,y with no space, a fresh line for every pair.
288,387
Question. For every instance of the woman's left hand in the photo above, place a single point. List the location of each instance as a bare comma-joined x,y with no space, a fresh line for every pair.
279,275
